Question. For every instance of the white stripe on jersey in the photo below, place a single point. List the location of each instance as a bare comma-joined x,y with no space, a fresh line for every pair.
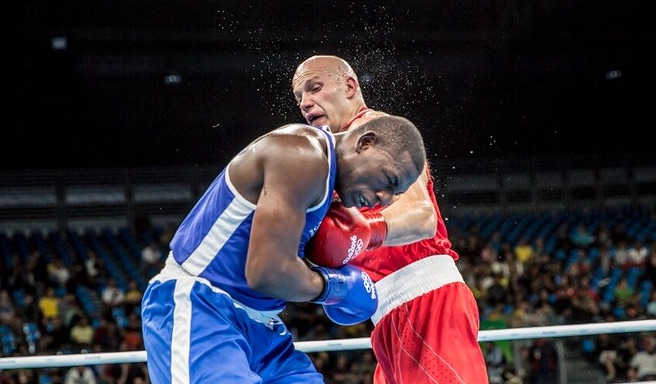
224,226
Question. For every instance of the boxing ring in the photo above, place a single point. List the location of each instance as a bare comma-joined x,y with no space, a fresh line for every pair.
555,331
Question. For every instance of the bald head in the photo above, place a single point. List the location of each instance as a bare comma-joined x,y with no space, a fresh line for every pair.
327,91
326,64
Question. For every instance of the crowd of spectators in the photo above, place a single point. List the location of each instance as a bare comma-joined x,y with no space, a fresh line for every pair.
583,271
42,314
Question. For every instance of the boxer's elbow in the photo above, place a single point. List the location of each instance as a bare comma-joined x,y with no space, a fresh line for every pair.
426,223
420,222
283,280
260,277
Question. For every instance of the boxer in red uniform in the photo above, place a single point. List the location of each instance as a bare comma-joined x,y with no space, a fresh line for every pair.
427,322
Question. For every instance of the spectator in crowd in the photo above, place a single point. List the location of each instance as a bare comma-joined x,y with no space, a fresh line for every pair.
584,308
627,349
506,264
581,237
151,256
563,242
339,372
112,294
19,376
488,253
649,273
54,335
133,297
30,311
81,334
643,363
132,337
167,234
69,310
605,261
58,273
126,373
623,292
12,337
471,247
539,246
638,254
634,311
495,360
49,304
107,335
496,241
52,375
543,360
585,288
367,365
497,292
608,346
95,269
581,265
15,275
7,309
81,374
651,305
6,378
524,251
603,235
622,258
36,273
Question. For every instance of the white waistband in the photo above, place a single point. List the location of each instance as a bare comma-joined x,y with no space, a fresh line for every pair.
414,280
173,271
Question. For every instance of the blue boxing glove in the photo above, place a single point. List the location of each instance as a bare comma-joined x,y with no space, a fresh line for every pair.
350,295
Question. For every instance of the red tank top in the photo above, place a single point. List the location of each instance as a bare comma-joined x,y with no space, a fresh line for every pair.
385,260
358,115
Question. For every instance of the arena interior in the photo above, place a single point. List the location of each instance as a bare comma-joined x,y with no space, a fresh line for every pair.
534,115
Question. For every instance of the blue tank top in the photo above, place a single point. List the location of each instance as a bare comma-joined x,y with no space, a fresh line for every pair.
212,241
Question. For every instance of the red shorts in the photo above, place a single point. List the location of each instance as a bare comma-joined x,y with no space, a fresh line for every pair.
433,337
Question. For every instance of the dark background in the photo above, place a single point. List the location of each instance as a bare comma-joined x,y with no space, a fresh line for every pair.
150,83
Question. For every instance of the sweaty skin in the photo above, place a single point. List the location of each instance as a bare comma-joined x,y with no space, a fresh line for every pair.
327,92
239,256
416,260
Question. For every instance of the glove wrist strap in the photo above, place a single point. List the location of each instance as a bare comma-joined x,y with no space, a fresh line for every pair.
378,229
335,288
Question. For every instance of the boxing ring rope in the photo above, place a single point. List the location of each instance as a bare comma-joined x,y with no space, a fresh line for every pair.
339,344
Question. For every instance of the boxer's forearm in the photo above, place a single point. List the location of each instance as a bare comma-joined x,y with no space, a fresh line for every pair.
412,216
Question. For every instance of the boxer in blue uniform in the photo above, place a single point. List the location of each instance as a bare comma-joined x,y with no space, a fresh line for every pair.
211,314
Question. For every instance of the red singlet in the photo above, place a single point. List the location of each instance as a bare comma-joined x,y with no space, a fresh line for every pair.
427,322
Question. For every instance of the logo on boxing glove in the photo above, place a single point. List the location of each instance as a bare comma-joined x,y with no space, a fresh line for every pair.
357,245
368,284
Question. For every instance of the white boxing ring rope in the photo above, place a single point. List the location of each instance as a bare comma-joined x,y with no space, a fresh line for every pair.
339,344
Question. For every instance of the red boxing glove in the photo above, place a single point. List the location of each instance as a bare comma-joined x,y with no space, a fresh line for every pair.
344,234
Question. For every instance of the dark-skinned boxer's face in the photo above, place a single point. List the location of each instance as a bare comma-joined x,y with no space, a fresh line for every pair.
372,175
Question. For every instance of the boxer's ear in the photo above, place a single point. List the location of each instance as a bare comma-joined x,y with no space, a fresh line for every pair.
365,140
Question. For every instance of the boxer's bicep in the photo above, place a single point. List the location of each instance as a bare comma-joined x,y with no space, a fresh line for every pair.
290,186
